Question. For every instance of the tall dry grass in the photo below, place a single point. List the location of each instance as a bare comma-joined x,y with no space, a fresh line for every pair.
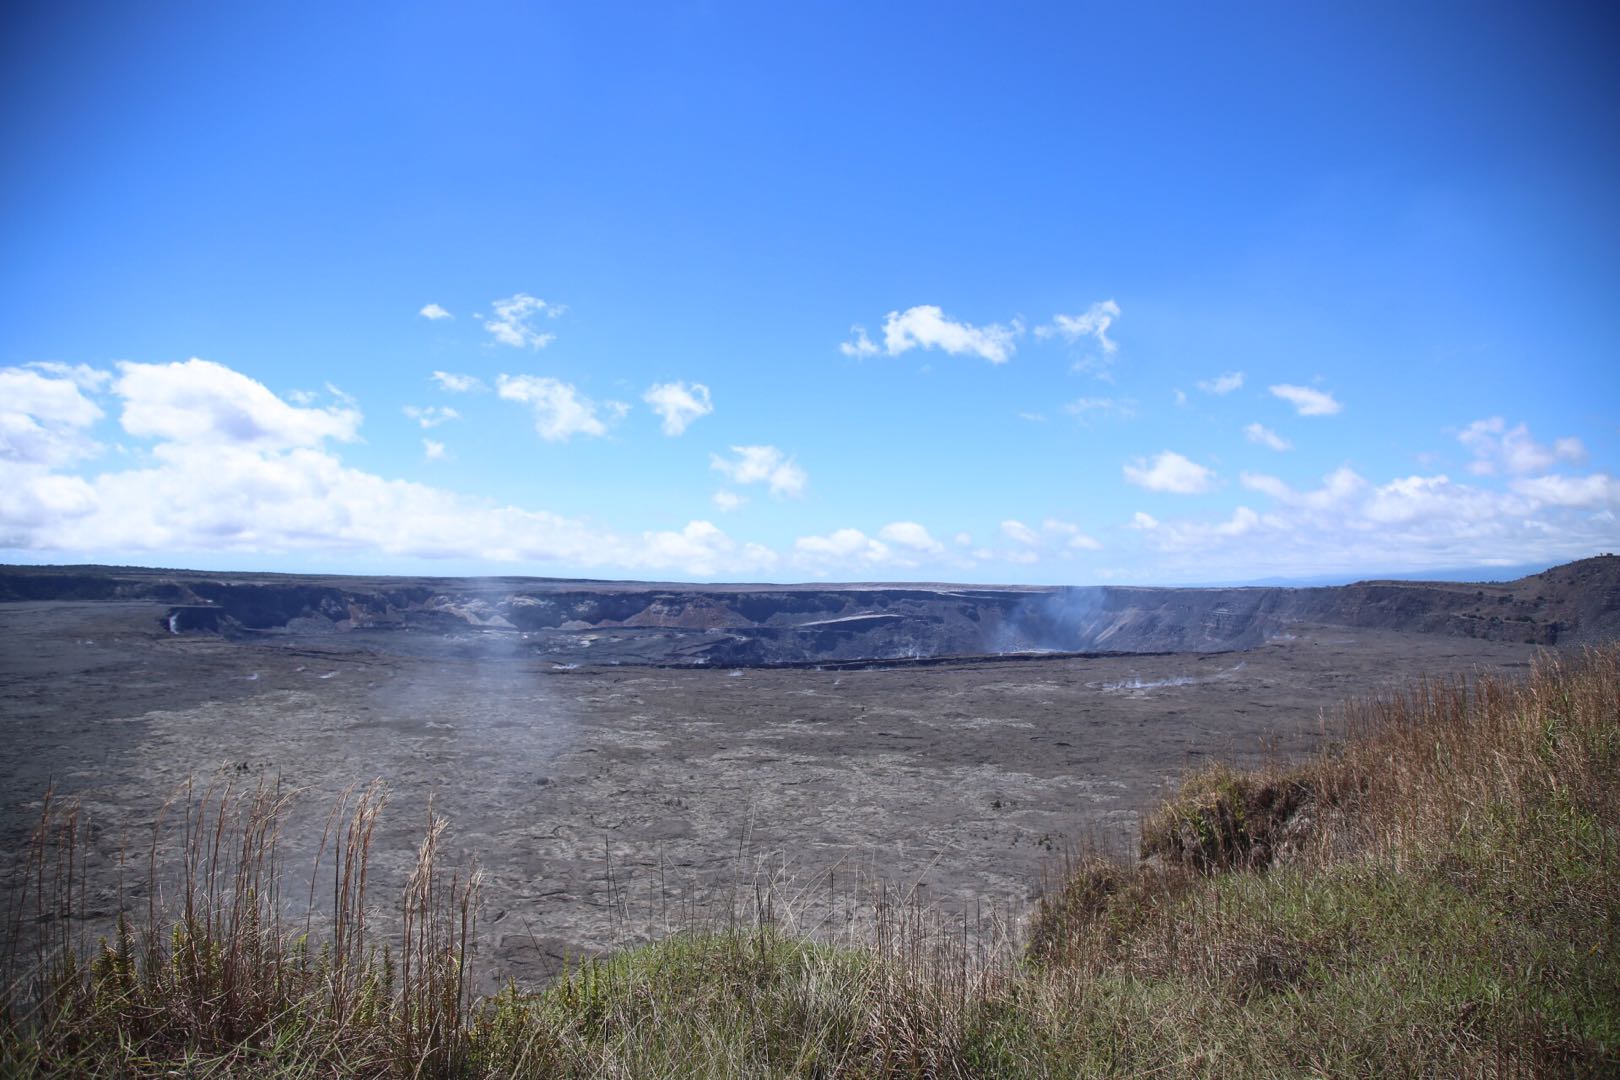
214,967
1437,895
1416,767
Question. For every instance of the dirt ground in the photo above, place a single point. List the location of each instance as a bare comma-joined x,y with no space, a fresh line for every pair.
607,803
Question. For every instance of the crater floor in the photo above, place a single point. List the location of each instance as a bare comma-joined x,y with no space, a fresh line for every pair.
603,802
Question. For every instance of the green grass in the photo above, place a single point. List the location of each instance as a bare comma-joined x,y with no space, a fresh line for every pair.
1439,895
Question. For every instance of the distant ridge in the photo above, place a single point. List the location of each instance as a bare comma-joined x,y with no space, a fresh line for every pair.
739,624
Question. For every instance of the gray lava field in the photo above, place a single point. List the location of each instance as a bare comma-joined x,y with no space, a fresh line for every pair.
623,757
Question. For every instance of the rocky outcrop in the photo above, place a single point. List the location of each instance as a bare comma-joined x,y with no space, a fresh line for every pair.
734,625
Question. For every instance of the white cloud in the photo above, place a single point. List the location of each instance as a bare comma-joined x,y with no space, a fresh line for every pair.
678,404
1093,323
1599,490
1409,523
1180,396
44,414
50,396
1054,534
434,312
1033,417
83,376
1338,487
433,451
1498,448
1170,472
762,464
1306,402
1413,498
560,411
1570,449
704,550
858,346
1259,433
431,416
909,534
728,500
1144,522
1070,535
512,323
842,546
964,539
243,500
927,327
1222,384
199,401
1019,533
1267,485
1122,409
455,383
1242,522
250,474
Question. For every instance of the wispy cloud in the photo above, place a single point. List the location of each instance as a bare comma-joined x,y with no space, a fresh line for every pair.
728,500
513,321
1119,409
434,312
859,345
454,383
1498,448
83,376
1170,472
762,465
1259,433
560,410
432,450
1064,537
678,404
1222,384
1306,401
1071,535
1337,487
1092,323
431,416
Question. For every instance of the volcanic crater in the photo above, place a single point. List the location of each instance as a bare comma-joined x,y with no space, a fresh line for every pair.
616,754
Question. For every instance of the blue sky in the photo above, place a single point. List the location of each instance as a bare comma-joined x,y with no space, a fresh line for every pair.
734,292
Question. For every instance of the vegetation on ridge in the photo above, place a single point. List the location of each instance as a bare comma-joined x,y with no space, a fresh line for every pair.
1438,895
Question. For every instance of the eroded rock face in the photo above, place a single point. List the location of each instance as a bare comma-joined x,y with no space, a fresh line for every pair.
741,625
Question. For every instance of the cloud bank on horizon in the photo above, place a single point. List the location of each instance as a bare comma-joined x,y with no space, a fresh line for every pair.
145,460
1323,320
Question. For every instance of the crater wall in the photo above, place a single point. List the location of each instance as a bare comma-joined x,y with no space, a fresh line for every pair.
763,625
